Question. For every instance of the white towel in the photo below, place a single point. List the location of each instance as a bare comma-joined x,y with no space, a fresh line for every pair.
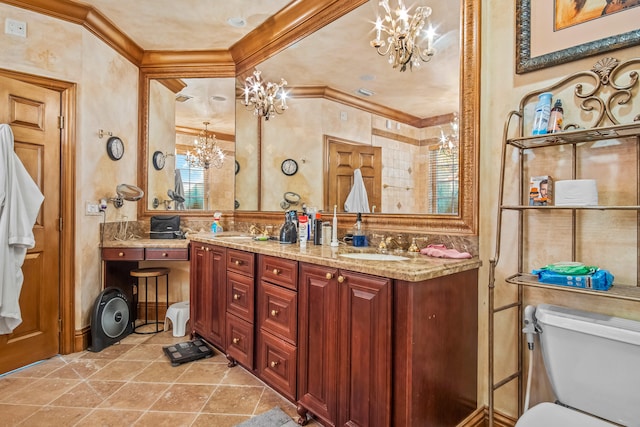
357,200
179,190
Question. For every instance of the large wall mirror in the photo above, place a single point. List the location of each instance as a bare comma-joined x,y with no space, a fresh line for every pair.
405,118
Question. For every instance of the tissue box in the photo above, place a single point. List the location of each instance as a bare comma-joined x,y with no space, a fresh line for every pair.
540,190
576,192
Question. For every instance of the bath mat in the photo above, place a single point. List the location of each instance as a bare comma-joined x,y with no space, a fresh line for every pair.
272,418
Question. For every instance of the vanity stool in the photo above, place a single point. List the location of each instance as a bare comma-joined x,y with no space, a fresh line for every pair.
146,273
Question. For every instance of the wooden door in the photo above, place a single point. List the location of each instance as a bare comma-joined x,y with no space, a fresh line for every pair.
364,393
318,343
33,113
343,158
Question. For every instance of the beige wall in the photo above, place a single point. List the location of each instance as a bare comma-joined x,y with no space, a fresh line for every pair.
502,89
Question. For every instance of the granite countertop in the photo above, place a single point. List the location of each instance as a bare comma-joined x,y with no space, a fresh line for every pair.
416,268
147,243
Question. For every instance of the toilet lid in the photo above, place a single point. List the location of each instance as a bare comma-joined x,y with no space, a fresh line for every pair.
551,415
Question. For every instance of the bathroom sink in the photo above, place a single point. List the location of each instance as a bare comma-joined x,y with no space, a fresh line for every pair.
374,257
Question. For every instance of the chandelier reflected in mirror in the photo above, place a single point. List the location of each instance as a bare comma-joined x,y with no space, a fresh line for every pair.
407,41
265,98
449,142
206,151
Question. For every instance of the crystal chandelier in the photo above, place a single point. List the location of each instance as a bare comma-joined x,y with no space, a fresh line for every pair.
407,44
206,151
264,98
449,143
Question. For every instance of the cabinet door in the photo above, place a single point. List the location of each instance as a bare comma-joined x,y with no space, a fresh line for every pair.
364,394
208,290
318,342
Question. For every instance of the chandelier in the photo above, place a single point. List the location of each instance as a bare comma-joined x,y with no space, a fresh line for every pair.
449,142
407,43
265,98
206,151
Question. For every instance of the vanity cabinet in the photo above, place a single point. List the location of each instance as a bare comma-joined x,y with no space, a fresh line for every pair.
240,303
278,324
345,358
208,277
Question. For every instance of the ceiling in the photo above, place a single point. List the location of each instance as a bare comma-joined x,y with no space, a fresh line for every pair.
338,56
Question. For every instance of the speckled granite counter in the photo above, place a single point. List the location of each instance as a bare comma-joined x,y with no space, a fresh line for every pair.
147,243
417,268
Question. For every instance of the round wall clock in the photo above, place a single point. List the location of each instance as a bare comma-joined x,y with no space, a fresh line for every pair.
289,167
158,160
115,148
237,167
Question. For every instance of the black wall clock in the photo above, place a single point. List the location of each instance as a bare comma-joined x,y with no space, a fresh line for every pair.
237,167
289,167
115,148
158,160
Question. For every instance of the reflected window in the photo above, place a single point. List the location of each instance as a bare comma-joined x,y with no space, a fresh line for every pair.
444,181
194,182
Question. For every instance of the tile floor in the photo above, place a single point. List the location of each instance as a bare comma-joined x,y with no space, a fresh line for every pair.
133,384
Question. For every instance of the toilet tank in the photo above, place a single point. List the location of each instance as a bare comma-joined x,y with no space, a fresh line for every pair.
593,362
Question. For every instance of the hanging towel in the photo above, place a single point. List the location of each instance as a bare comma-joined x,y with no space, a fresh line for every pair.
357,200
20,201
179,191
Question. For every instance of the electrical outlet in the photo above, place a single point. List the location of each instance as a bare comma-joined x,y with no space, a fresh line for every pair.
343,116
92,209
16,28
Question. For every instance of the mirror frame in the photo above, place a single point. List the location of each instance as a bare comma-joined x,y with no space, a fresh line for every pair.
294,22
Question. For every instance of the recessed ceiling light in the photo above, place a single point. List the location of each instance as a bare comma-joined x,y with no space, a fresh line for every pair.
217,98
367,77
237,22
365,92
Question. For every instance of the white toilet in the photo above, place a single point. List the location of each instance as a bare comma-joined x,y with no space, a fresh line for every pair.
593,364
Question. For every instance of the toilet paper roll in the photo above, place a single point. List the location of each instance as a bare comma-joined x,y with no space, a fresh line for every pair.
576,192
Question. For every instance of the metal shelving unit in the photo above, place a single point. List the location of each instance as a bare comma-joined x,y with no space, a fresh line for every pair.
600,92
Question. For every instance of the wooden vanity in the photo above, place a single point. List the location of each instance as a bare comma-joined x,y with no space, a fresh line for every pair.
351,342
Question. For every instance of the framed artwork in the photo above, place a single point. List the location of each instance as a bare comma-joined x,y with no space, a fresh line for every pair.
552,32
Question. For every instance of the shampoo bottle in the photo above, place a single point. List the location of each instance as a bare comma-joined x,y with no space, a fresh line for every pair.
302,230
556,118
216,227
542,113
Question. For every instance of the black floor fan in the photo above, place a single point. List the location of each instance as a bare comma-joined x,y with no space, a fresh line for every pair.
111,319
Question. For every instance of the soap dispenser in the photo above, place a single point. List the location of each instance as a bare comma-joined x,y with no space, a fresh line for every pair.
289,231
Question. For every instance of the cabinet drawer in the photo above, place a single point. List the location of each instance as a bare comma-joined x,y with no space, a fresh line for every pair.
278,311
283,272
277,364
241,262
240,340
166,253
240,296
123,254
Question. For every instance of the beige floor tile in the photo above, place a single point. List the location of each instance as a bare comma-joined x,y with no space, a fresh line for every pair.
110,418
111,352
148,352
79,368
41,391
88,394
120,370
270,399
238,376
203,373
208,420
40,369
238,400
163,419
48,416
135,396
12,415
184,398
160,372
11,384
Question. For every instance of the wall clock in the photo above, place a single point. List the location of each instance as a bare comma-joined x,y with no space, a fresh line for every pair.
289,167
237,167
115,148
158,160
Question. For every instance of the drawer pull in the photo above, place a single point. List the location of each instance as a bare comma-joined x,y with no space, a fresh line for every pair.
329,276
236,340
164,254
236,296
120,253
238,262
274,363
274,313
276,271
206,249
341,279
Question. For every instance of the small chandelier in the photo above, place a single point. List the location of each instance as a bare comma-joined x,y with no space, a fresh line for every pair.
449,143
206,152
265,98
407,43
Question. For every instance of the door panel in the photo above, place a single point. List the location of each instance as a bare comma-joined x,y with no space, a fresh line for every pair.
32,112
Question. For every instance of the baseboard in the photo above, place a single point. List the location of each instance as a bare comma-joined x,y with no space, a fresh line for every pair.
81,339
476,419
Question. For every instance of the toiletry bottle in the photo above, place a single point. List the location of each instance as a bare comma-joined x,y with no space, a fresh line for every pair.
317,230
542,113
359,238
334,229
216,227
302,230
326,233
556,118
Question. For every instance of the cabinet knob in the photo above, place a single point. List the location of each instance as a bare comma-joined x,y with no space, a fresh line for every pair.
236,296
329,276
120,253
238,262
276,271
236,340
274,313
274,363
206,249
164,254
341,279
